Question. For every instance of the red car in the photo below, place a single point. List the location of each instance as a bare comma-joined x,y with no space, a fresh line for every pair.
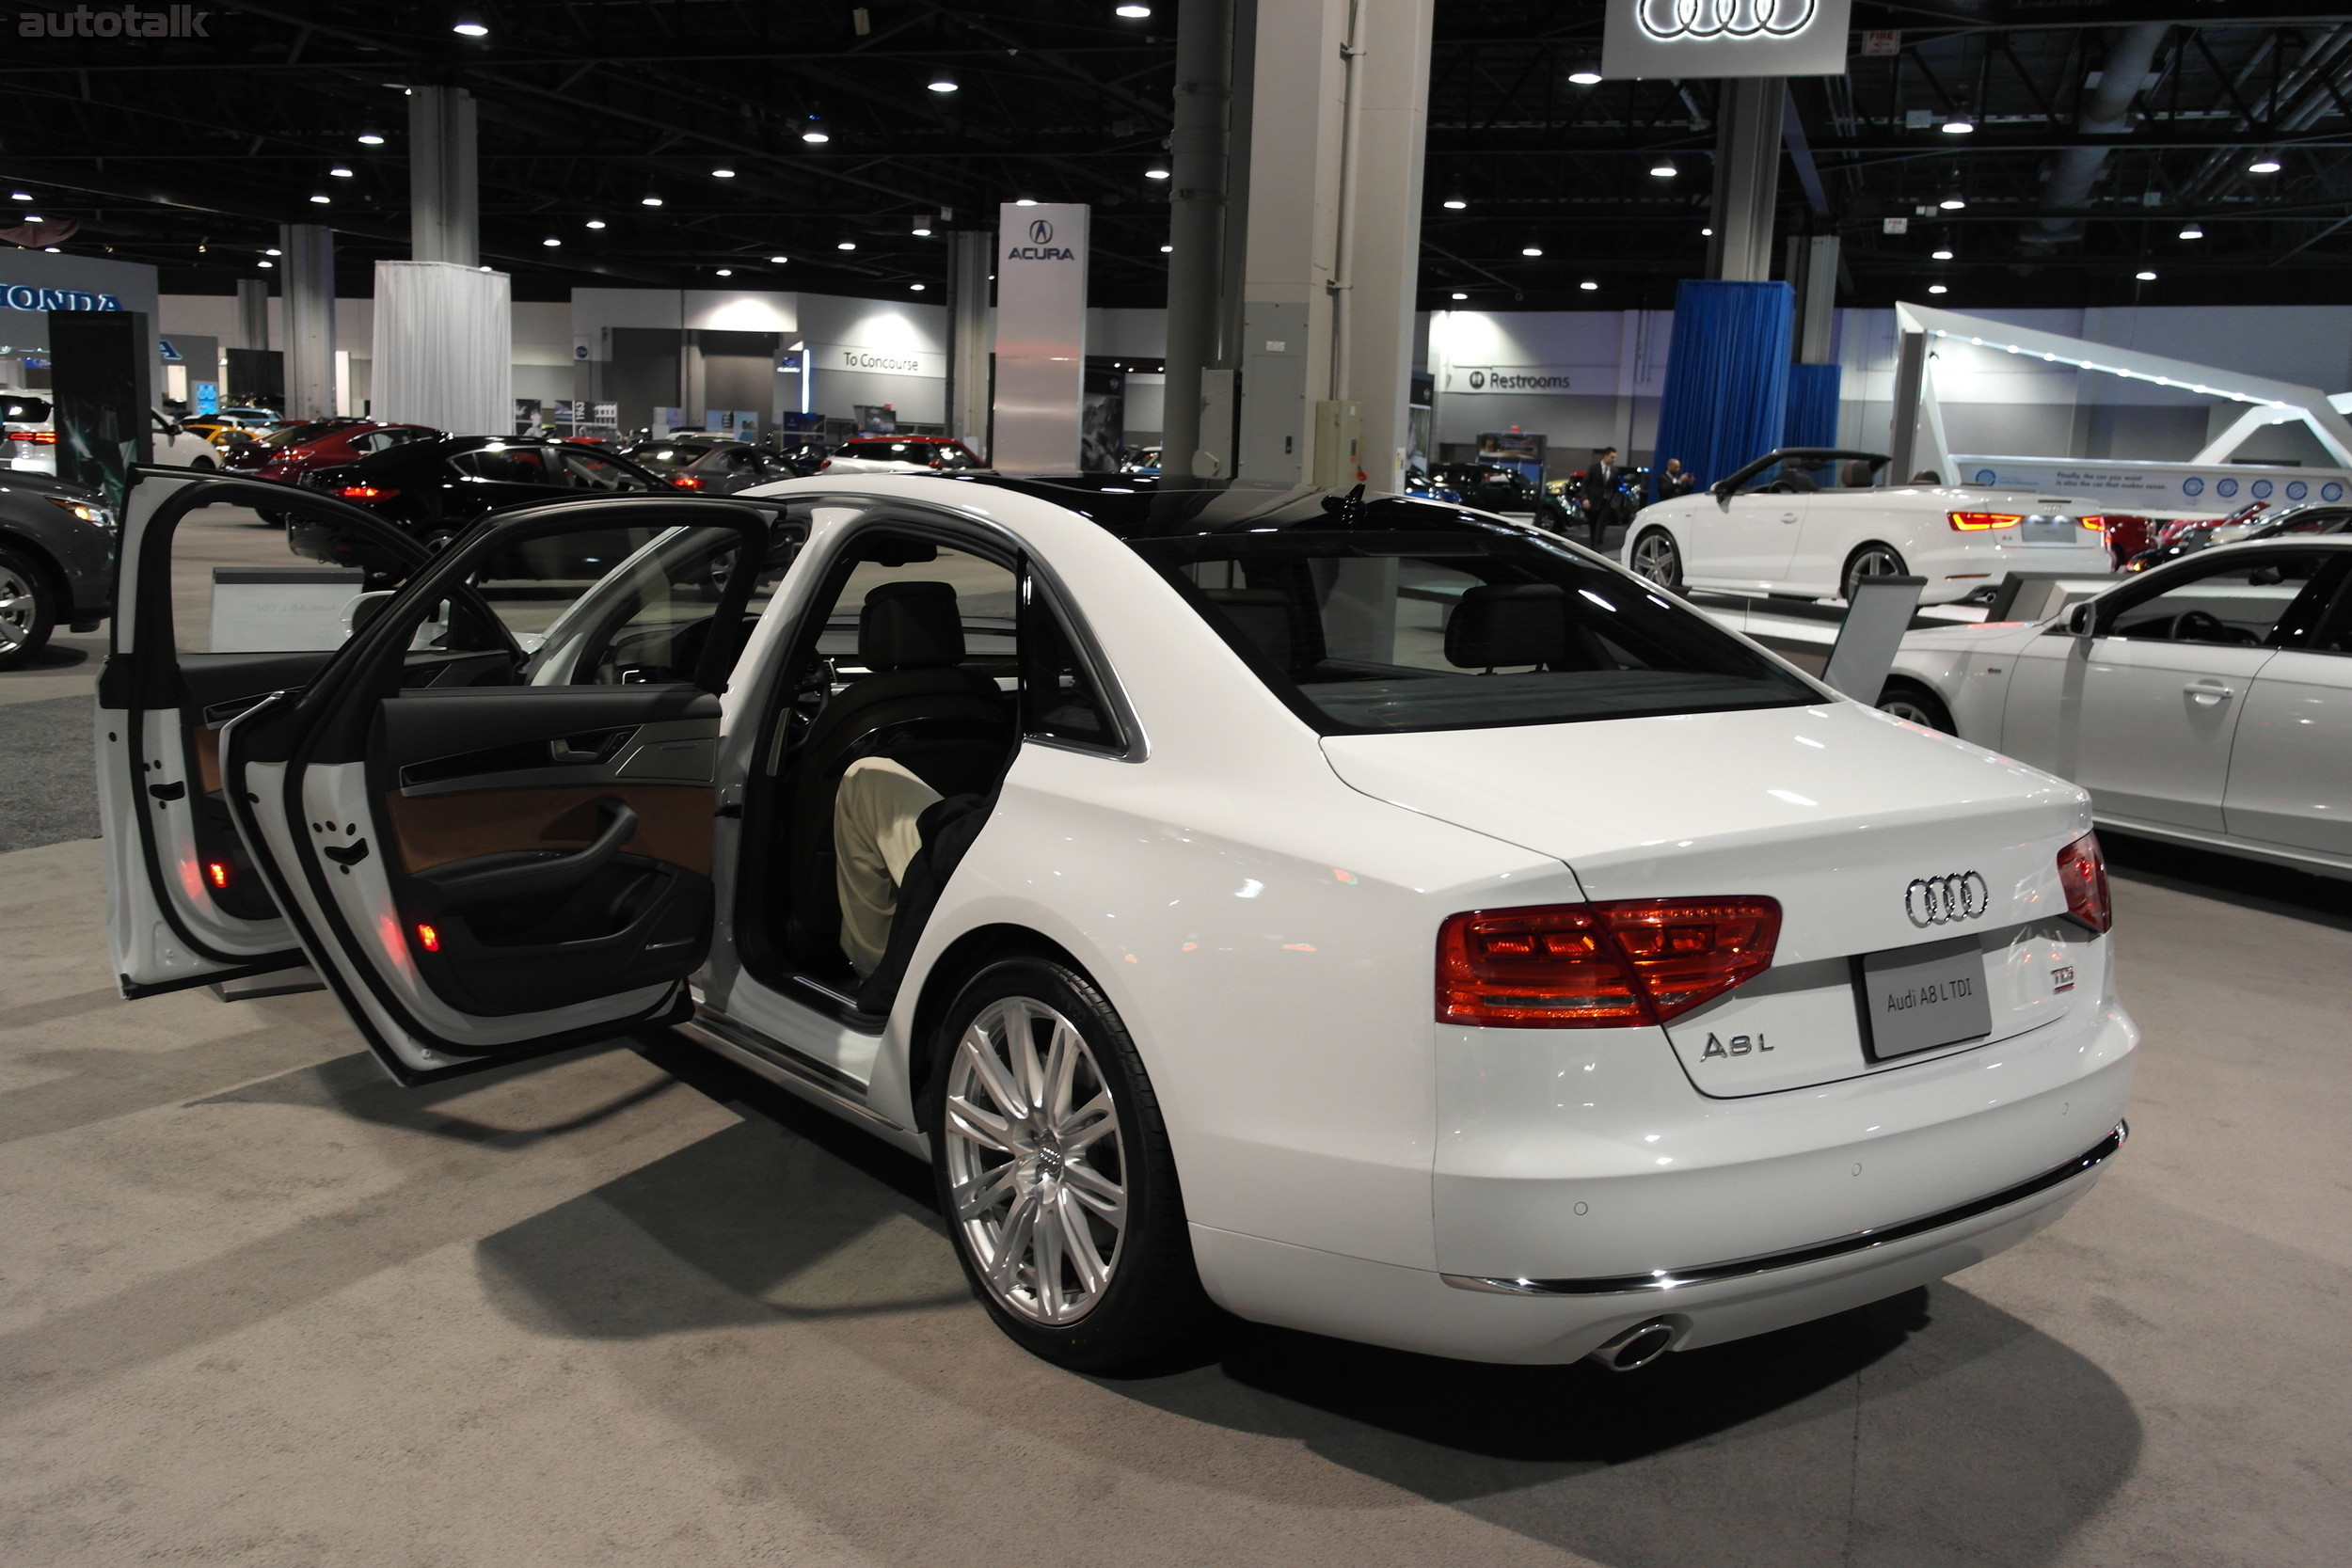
291,452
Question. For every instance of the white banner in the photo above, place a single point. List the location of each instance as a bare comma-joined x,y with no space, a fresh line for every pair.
1040,336
1724,38
878,361
1516,378
2215,488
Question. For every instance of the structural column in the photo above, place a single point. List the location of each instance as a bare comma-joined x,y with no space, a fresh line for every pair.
1198,154
971,336
308,269
1339,104
253,313
444,189
1747,176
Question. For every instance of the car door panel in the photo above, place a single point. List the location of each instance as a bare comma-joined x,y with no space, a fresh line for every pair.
487,872
2291,769
1747,542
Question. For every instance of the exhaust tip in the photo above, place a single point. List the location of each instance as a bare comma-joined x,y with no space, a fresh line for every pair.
1637,1347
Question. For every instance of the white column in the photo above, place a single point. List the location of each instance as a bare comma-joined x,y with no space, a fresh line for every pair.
971,336
308,290
1747,176
444,190
1380,232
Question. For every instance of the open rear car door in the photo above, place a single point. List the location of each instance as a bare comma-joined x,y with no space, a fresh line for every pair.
521,862
184,903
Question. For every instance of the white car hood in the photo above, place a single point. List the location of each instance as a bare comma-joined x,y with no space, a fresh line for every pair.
1833,809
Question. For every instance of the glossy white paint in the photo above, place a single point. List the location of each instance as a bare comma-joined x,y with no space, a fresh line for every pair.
1261,905
2242,749
1801,544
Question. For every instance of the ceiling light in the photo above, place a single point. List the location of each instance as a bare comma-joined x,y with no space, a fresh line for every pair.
20,196
917,287
273,251
2192,232
2145,276
550,241
2263,165
35,218
340,172
726,272
53,250
649,201
778,260
1023,201
1664,169
1943,255
922,234
369,138
595,223
469,24
1134,12
319,201
1586,78
1167,250
1155,174
1461,297
1588,285
1454,203
1953,203
1707,231
1938,289
1530,250
942,80
257,264
814,132
723,173
845,245
1956,126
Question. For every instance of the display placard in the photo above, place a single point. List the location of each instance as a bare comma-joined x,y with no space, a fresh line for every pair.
274,610
1040,335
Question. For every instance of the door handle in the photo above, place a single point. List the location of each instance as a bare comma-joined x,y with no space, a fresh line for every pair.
2210,692
532,874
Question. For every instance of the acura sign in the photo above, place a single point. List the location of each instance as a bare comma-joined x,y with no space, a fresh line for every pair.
1725,37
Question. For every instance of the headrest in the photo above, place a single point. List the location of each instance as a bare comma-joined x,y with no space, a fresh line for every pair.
1855,475
910,625
1508,623
1261,614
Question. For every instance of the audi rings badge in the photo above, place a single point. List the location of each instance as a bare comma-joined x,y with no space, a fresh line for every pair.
1947,901
1713,19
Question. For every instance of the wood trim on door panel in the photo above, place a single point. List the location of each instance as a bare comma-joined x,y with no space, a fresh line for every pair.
674,822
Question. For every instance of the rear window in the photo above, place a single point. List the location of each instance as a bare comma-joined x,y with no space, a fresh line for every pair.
677,454
1372,630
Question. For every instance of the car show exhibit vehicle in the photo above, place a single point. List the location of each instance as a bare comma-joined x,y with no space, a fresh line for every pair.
56,562
1788,534
1288,937
2207,702
28,436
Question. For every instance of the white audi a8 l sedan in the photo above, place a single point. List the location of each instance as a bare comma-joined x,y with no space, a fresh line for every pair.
1366,915
1773,528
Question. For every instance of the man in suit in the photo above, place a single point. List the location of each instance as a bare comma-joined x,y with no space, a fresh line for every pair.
1675,481
1601,495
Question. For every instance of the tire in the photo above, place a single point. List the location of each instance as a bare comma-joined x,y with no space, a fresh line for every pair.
1911,701
1872,560
1658,558
203,465
1106,1173
28,610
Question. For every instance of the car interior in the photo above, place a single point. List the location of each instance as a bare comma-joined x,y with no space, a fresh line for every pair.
2270,602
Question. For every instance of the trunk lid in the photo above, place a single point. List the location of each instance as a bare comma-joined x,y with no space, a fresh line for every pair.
1834,810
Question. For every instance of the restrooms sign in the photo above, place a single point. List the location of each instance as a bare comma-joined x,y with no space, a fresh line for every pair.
1725,37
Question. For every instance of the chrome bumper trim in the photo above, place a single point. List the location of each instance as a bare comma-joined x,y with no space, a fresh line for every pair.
1860,1240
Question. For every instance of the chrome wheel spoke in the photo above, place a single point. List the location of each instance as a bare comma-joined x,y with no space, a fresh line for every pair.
1004,1269
1046,1237
984,1192
1089,1123
1061,1065
1086,1185
980,1053
987,1129
1079,1241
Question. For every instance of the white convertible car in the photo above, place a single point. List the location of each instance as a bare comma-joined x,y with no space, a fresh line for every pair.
2208,702
1372,916
1789,534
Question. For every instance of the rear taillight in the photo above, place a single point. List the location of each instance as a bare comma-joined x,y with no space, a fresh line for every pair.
2082,869
1586,966
35,437
366,492
1977,522
826,464
685,481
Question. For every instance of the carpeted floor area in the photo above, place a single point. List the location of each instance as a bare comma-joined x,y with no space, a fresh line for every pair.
47,794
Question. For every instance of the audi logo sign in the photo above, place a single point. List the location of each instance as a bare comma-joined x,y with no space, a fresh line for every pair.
1724,38
1947,901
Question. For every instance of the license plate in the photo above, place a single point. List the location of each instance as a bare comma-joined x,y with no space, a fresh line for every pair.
1918,998
2048,531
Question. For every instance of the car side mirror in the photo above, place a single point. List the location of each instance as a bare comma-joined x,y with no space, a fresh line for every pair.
2083,619
1721,491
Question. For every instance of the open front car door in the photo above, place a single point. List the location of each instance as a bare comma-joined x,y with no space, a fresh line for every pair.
521,862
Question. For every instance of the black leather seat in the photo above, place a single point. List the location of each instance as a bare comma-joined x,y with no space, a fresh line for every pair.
950,726
1511,624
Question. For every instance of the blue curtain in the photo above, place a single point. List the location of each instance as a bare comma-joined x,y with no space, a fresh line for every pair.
1812,419
1727,376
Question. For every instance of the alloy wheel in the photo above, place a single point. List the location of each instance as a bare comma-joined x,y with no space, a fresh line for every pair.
1035,1167
1912,710
1656,559
20,609
1872,561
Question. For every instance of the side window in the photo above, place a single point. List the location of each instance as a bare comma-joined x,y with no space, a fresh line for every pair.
1060,699
985,594
587,471
2267,601
506,465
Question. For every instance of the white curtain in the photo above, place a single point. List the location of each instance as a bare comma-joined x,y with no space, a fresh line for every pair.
443,347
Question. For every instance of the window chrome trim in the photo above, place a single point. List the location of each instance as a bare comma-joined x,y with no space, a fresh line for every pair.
1860,1240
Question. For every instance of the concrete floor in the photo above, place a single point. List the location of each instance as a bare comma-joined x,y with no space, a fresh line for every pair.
259,1307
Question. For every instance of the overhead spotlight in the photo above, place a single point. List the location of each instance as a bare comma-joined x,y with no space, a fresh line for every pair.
722,172
1155,174
469,24
1586,78
35,218
779,261
1588,285
1461,297
1959,125
1134,12
340,172
845,245
369,138
1023,201
649,201
1953,203
915,287
726,272
921,233
550,241
271,252
257,264
1943,255
1664,169
1707,232
943,80
1167,250
54,250
2263,165
2192,232
1938,289
20,196
814,132
1454,204
1530,250
594,223
2145,276
320,200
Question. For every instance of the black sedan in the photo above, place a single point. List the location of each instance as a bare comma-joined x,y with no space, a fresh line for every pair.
1492,488
435,489
711,465
2276,525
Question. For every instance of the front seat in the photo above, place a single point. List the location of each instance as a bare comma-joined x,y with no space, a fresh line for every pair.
1508,625
947,725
